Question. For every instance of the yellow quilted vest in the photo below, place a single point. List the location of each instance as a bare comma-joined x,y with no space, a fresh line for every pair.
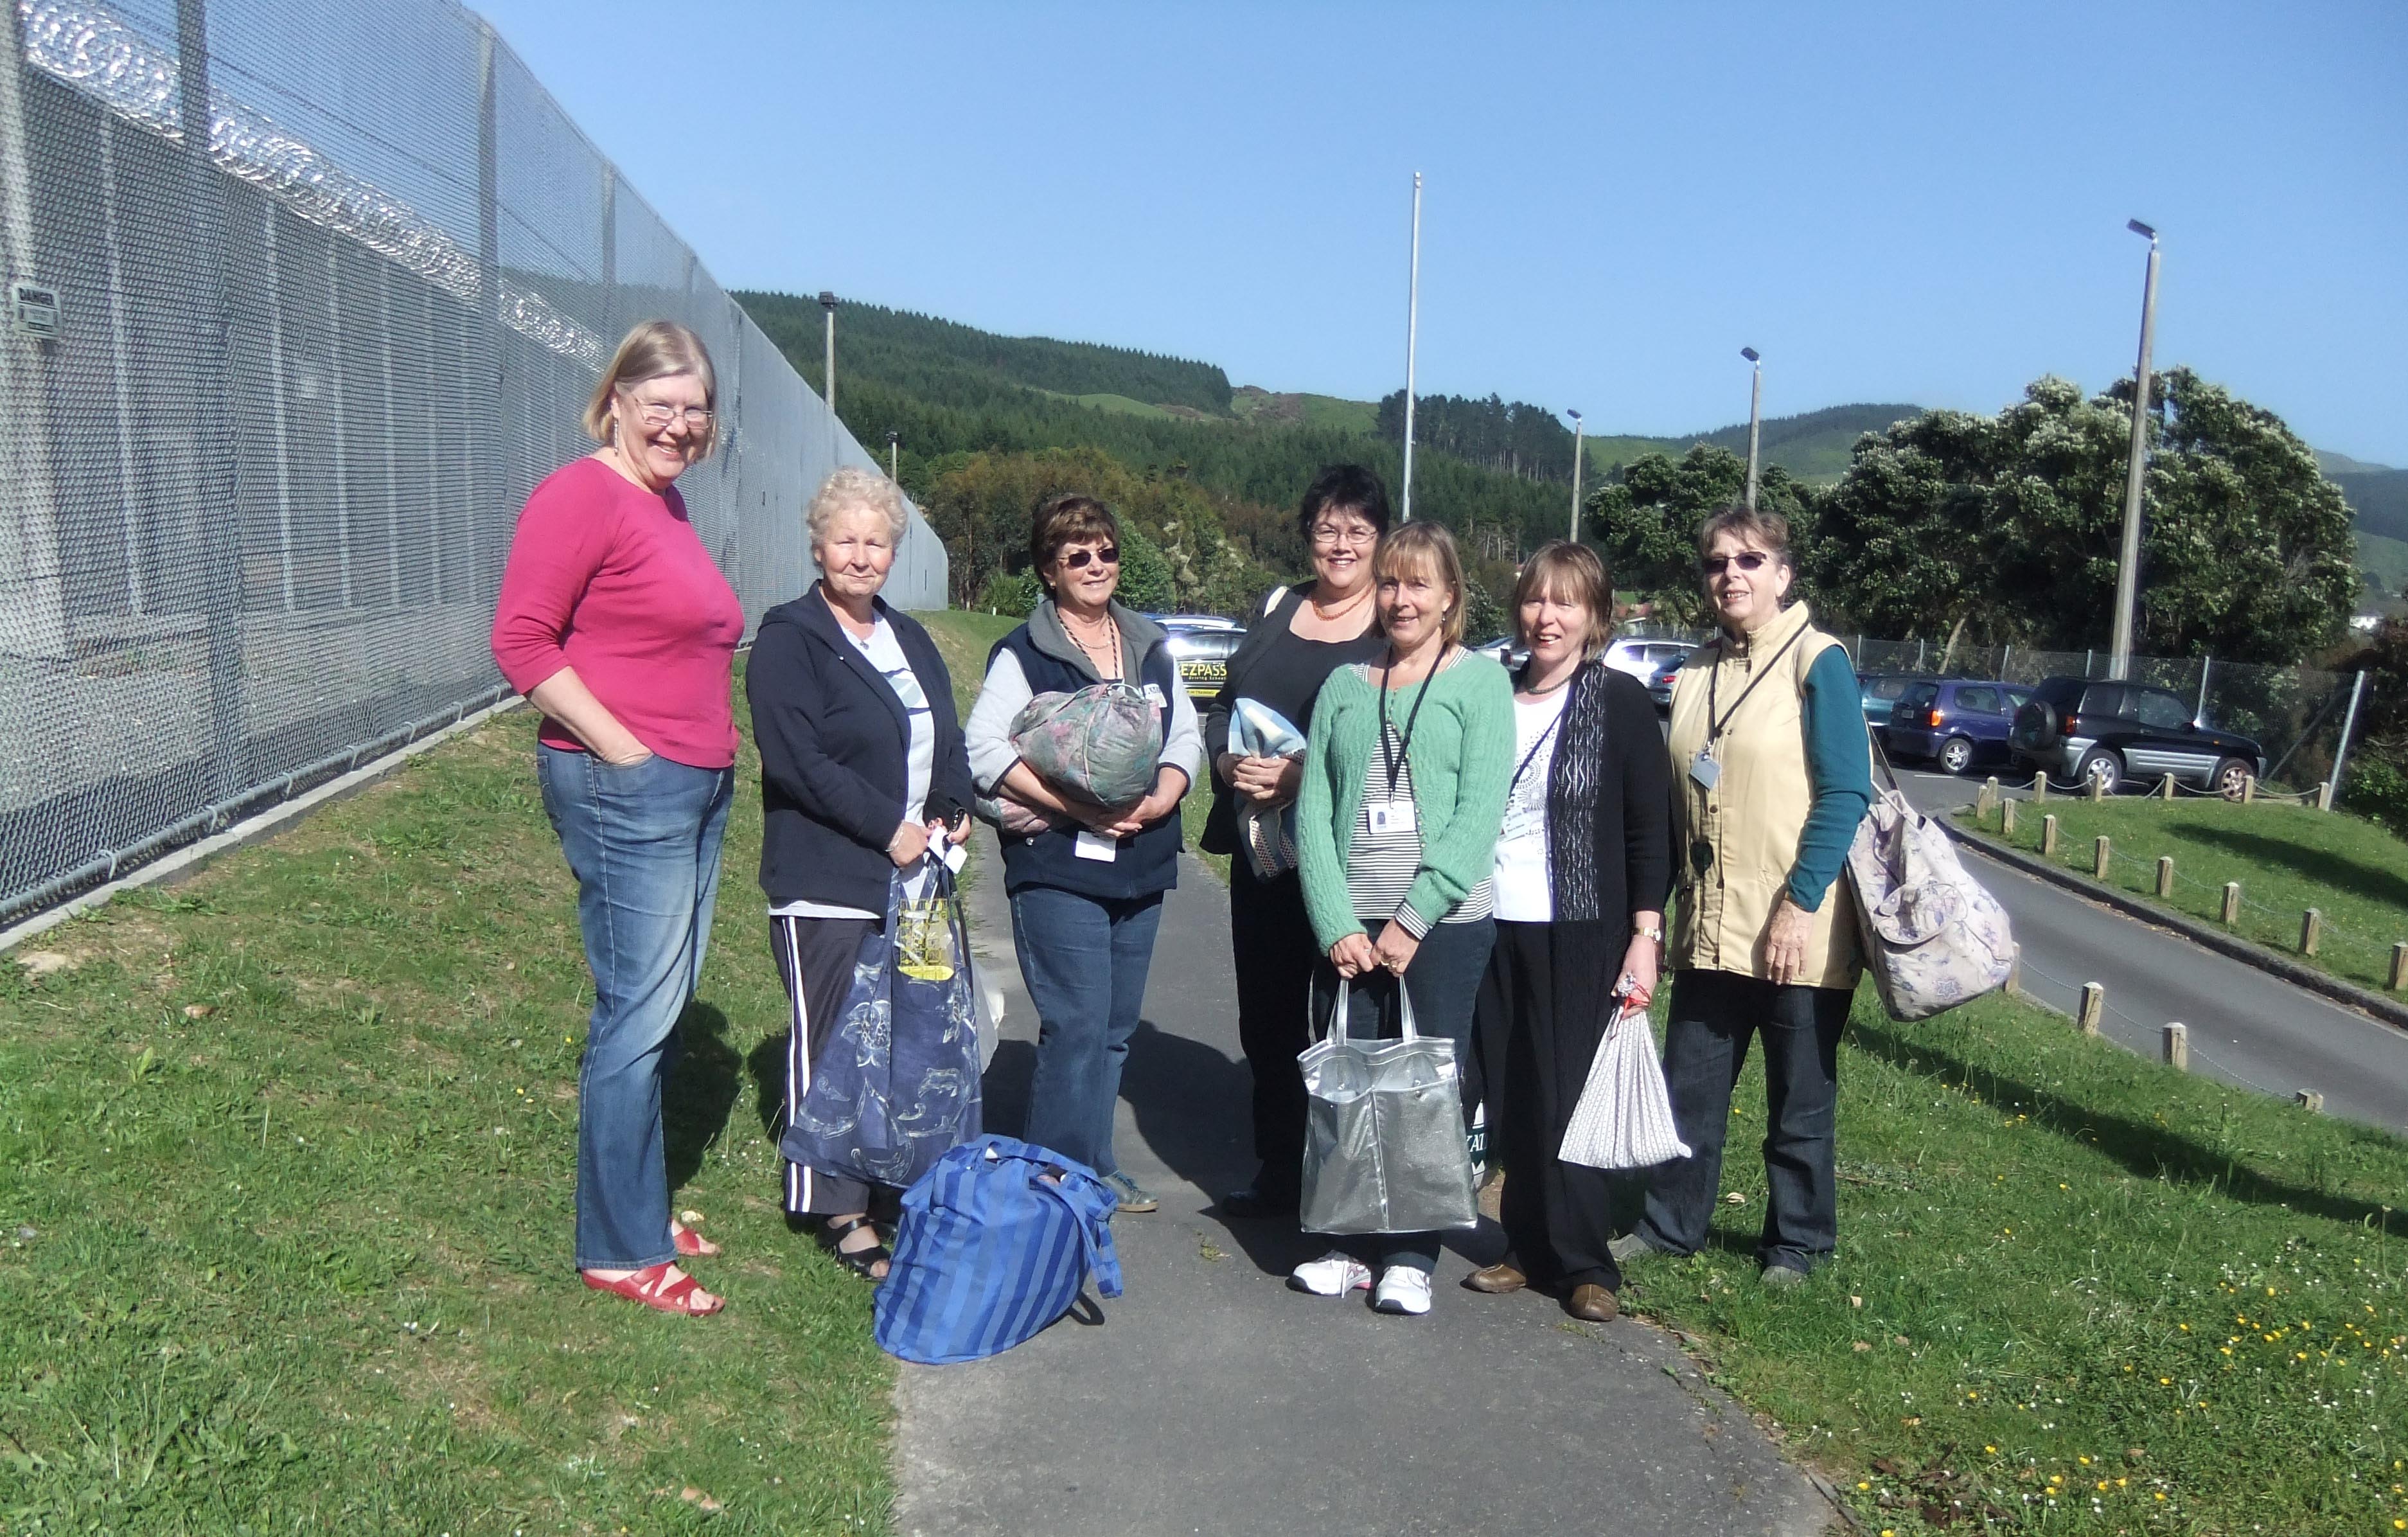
1750,820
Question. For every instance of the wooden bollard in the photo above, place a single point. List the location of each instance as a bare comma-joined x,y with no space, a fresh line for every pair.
2100,856
2308,1101
2094,1004
1987,800
2399,967
2165,875
2248,789
2231,914
2048,836
2040,785
2006,816
2312,924
2098,788
2166,788
2177,1038
2015,970
2324,796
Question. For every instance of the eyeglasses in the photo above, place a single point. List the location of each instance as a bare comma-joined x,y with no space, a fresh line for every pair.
1746,560
1326,534
1076,560
657,415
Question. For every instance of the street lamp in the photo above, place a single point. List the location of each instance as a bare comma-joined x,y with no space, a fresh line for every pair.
1755,418
2127,559
894,446
827,377
1576,468
1412,338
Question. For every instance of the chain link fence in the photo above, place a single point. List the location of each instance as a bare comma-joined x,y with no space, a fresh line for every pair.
276,392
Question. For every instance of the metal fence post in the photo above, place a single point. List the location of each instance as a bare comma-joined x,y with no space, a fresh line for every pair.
491,524
2340,751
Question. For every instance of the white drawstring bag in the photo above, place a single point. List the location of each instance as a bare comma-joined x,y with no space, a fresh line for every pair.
1624,1119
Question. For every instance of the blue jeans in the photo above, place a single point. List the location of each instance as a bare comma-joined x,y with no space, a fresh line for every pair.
1085,959
644,844
1705,1045
1443,982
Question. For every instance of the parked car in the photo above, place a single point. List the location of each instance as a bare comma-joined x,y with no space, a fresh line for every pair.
1202,653
2079,729
1659,682
1505,652
1955,723
1640,657
1881,691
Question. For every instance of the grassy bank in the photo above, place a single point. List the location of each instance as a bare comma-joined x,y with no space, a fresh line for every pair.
286,1160
2288,858
2075,1292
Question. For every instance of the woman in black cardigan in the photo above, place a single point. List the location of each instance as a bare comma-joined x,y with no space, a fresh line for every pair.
862,772
1583,865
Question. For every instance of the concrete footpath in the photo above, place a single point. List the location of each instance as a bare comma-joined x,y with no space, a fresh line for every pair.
1212,1399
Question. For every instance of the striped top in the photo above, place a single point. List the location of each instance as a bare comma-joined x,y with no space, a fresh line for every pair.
1381,865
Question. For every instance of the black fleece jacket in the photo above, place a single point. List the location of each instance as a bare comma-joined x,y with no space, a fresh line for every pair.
835,747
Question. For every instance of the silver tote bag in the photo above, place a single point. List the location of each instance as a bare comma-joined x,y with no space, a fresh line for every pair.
1383,1143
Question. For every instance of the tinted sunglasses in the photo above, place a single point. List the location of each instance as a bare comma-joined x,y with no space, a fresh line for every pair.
1746,560
1076,560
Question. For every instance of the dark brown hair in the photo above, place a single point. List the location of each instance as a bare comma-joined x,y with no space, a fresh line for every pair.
1570,573
1068,517
1766,531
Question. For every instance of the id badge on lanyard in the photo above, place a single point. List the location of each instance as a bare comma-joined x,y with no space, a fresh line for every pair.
1704,770
1391,816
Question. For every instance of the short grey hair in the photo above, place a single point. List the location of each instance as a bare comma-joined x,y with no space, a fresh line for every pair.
853,488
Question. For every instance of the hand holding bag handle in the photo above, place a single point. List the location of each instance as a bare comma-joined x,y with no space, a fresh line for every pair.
1340,1018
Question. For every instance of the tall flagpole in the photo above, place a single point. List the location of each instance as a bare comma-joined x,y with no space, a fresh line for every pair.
1412,338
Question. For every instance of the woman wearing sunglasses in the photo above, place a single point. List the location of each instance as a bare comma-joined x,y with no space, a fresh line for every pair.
1772,775
1085,881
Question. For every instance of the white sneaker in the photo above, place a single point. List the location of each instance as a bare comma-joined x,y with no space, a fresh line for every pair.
1402,1289
1333,1274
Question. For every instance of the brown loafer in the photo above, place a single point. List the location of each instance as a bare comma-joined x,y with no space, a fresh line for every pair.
1593,1303
1495,1280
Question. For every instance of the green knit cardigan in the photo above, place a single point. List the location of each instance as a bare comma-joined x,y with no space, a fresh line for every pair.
1462,754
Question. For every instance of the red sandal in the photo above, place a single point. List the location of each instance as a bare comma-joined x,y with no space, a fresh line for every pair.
652,1286
691,1245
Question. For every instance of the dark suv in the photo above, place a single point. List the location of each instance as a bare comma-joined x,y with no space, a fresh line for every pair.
2079,729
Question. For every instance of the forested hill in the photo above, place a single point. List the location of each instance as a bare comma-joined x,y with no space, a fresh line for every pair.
1519,439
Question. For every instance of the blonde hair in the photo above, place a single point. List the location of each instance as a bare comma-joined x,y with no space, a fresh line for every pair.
1569,573
1430,550
655,349
853,488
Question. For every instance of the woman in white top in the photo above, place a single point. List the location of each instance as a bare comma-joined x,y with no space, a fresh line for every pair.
1582,864
862,772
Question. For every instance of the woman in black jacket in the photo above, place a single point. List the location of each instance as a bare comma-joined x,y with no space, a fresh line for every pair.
1582,865
862,772
1298,637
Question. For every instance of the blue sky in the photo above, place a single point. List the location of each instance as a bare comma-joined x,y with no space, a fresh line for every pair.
1914,202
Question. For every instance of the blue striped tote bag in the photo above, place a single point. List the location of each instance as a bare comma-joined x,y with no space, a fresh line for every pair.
995,1242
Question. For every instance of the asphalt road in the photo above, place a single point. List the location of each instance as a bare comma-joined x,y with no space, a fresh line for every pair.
2246,1027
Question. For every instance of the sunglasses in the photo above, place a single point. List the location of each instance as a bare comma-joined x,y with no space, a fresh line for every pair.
1746,560
1076,560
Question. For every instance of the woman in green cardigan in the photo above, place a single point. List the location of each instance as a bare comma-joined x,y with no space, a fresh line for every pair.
1405,777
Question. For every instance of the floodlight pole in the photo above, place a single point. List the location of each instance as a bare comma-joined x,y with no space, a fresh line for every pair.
1577,427
1755,418
1412,339
2127,559
827,375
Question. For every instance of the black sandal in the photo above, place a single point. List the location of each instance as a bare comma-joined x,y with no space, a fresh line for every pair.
860,1262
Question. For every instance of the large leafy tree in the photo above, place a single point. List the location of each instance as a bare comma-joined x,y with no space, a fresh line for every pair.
1646,519
2009,526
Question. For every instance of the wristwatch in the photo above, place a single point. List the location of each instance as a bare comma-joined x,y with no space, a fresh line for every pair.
1651,931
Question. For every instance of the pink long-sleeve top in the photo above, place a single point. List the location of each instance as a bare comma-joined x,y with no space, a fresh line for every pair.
611,579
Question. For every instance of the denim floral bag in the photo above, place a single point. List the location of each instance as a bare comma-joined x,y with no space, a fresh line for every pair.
897,1086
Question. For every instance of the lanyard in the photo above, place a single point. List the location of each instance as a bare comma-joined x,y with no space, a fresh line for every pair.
1516,782
1714,724
1402,754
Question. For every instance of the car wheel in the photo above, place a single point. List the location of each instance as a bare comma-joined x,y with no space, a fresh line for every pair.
2100,763
2231,779
1956,755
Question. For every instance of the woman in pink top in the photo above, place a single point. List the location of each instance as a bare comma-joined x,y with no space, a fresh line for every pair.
615,623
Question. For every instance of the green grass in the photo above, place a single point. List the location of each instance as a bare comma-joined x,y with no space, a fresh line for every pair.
2288,858
286,1162
2060,1264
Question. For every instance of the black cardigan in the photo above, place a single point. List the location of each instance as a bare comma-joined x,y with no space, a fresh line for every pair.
835,747
1608,804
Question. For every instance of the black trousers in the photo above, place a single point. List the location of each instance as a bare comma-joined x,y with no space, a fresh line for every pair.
1271,949
1705,1045
1557,1216
815,958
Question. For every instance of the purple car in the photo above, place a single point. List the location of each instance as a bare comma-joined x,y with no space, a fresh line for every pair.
1955,723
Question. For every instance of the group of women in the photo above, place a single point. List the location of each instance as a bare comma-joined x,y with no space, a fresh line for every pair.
1495,850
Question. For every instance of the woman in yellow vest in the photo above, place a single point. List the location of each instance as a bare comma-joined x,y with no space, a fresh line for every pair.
1772,775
